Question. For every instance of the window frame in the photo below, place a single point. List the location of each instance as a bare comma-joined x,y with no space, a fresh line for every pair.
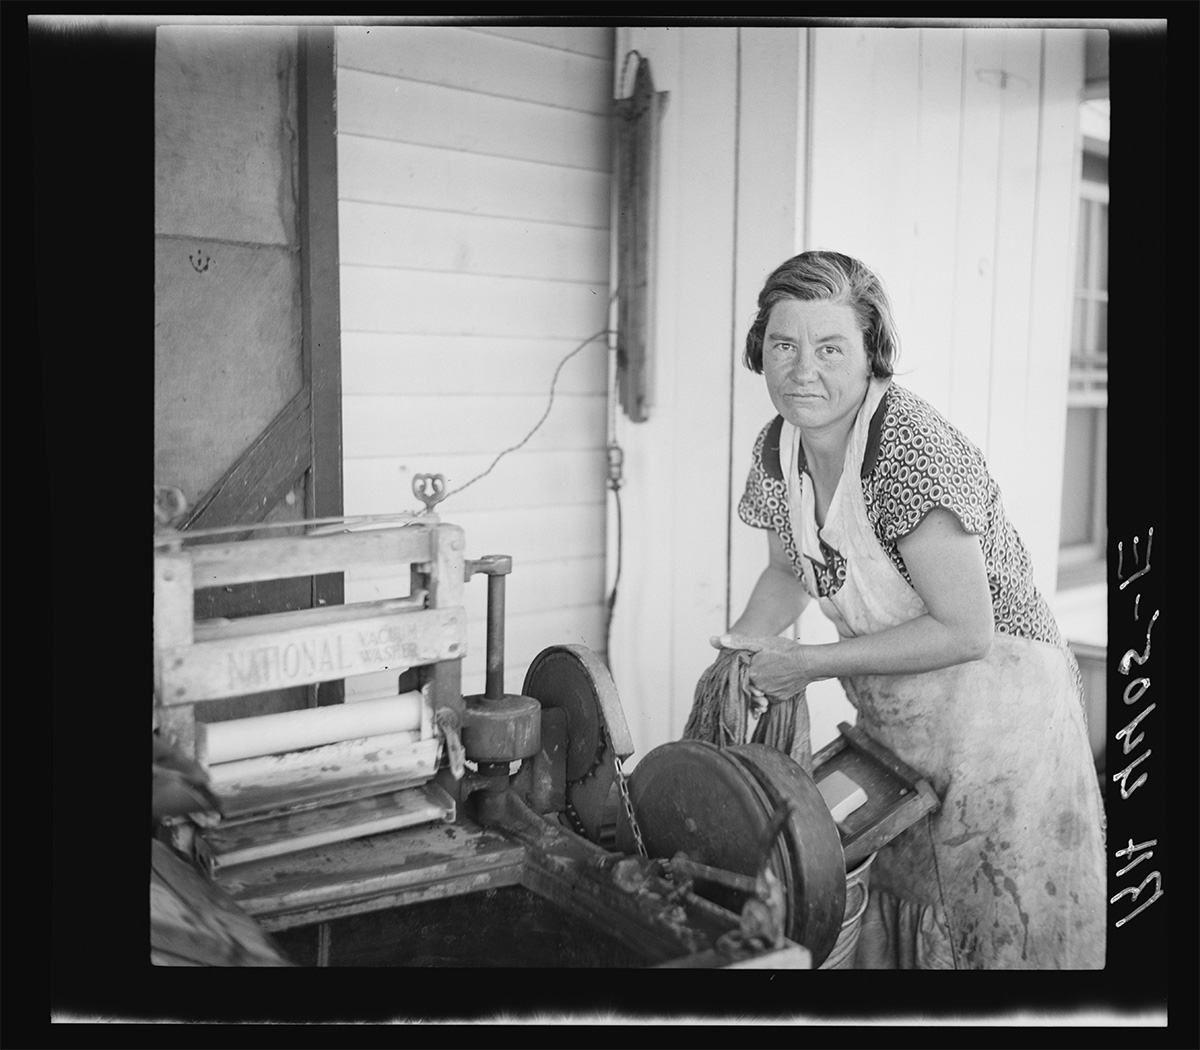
1084,563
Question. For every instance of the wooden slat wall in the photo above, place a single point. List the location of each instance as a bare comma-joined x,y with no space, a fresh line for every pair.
955,182
474,240
890,145
945,158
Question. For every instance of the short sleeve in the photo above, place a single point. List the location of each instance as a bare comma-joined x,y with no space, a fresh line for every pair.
761,502
924,462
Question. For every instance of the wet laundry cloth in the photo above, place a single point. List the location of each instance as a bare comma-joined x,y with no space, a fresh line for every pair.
723,712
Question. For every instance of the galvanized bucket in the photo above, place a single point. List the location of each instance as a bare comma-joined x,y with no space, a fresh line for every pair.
857,894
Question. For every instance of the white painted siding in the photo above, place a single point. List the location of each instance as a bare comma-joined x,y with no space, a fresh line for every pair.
473,180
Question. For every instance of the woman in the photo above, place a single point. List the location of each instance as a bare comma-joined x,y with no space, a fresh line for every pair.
886,513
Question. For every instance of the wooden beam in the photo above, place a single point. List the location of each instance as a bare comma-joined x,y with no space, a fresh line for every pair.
263,474
363,875
320,296
290,832
251,561
307,653
320,304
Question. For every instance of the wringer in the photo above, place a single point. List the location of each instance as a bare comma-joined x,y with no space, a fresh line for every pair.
702,857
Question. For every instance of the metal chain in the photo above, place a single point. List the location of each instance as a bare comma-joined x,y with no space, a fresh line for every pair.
577,824
623,787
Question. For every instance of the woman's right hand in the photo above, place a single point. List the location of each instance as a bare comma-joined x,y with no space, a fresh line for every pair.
778,669
758,699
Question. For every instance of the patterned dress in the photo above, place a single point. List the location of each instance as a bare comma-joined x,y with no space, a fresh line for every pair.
915,461
1010,871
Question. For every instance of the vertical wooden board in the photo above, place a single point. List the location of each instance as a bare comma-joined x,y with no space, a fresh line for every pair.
926,342
892,162
371,169
975,245
173,588
412,301
413,238
841,184
320,296
864,158
1015,227
225,124
703,324
770,157
410,111
1050,306
865,153
481,62
226,354
383,363
642,633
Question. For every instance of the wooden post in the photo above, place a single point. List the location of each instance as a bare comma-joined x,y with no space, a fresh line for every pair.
174,626
443,578
445,586
319,299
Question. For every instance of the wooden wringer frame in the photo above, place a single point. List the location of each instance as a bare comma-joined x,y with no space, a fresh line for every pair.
362,806
322,775
413,798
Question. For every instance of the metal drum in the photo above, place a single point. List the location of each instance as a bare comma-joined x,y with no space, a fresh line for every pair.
717,804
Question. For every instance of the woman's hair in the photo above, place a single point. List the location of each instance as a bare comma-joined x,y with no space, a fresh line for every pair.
835,278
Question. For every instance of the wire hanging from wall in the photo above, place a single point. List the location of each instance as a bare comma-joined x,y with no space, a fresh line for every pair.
536,426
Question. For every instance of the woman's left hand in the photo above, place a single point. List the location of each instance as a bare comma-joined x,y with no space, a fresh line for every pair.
778,668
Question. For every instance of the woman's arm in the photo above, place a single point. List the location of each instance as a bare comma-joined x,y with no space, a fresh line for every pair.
945,563
778,597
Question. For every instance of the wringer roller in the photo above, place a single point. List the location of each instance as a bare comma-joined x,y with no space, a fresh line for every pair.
703,857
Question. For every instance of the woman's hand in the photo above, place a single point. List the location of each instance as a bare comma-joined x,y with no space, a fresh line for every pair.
778,669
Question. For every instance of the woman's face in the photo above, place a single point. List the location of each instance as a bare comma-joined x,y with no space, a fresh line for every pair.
815,364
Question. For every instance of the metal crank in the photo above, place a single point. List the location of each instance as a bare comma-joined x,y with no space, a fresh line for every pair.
764,913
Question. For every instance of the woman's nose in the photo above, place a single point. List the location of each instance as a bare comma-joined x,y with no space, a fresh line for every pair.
804,363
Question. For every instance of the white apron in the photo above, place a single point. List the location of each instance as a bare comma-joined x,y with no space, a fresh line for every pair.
1013,864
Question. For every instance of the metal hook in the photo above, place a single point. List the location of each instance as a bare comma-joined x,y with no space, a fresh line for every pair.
430,489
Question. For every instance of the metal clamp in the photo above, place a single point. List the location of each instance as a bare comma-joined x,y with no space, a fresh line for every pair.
450,729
